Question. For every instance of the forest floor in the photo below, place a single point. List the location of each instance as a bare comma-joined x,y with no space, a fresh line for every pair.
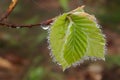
13,67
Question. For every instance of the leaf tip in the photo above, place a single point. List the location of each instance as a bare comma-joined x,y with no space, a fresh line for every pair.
79,9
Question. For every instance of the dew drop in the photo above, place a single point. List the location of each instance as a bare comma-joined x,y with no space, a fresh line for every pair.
53,59
18,27
59,64
45,27
49,47
95,59
86,58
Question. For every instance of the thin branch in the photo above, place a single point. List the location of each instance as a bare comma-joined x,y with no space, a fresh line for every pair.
45,23
9,10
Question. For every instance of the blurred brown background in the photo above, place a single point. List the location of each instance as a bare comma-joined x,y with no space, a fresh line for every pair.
24,53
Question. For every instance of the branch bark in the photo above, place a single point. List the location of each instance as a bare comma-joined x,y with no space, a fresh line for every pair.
9,10
44,23
12,25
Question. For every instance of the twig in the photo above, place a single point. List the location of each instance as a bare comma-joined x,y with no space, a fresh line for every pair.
47,22
9,10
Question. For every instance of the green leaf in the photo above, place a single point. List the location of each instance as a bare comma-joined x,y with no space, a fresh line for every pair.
74,37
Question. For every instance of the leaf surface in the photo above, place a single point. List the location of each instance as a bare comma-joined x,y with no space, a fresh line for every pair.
74,37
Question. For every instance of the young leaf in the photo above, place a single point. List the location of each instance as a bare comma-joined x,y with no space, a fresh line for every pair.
74,37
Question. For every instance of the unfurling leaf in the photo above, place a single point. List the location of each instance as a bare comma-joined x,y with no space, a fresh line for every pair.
74,37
